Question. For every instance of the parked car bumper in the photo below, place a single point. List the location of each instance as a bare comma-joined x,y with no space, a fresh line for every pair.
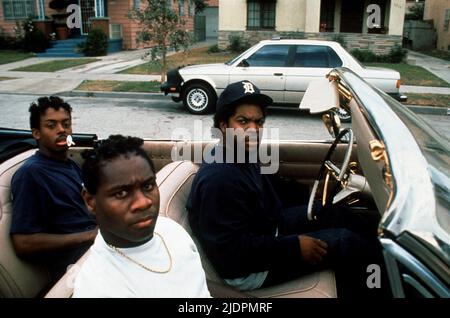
398,96
173,83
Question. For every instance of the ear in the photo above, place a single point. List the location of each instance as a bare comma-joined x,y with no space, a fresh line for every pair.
36,133
89,200
223,126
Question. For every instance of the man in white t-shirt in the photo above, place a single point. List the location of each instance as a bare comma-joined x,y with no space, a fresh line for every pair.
135,254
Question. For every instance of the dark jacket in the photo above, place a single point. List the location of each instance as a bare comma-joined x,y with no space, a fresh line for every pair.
235,212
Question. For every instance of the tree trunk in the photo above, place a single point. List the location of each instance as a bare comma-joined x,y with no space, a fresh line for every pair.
164,66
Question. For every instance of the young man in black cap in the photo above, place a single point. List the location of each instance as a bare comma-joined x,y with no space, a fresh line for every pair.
239,219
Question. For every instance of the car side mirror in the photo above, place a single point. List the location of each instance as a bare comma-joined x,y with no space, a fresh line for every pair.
243,63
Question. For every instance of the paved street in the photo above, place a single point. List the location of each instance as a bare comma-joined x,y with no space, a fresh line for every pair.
158,119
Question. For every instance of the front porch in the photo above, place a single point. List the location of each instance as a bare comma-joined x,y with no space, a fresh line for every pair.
69,47
376,25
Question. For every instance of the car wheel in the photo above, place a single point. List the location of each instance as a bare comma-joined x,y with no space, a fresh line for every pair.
199,99
344,116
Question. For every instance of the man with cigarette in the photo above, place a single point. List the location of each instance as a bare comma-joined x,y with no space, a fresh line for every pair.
50,221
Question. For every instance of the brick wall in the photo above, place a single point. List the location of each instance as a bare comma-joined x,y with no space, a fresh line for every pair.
213,3
8,25
378,43
131,27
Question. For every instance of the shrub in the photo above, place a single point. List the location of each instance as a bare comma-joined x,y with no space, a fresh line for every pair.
35,41
415,12
397,54
340,39
364,56
96,43
28,38
214,49
59,5
237,44
8,42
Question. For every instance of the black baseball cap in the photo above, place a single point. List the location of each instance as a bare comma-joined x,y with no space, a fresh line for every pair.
240,93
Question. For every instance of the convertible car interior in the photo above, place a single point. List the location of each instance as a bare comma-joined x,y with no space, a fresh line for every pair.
356,163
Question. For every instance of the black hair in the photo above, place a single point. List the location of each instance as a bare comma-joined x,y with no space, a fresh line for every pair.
37,109
225,113
107,150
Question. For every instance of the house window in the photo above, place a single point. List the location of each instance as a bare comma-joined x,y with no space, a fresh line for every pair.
18,9
136,4
191,8
181,7
446,19
260,15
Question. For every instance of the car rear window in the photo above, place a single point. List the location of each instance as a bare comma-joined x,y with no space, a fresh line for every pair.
270,55
316,56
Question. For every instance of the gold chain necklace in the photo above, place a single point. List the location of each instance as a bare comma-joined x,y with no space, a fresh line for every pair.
142,265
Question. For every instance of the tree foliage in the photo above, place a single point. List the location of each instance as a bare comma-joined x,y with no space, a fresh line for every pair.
415,12
162,29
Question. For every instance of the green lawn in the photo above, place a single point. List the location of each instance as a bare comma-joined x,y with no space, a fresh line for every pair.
437,100
13,56
413,75
195,56
53,66
437,53
120,86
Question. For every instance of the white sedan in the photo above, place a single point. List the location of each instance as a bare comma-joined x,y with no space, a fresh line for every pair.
282,69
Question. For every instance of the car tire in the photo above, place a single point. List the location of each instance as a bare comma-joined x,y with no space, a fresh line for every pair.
344,116
199,99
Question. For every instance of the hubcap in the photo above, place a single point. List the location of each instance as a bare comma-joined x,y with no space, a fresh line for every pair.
197,99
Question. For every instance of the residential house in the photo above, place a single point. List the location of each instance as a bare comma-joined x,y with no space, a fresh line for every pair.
439,12
349,20
109,15
211,17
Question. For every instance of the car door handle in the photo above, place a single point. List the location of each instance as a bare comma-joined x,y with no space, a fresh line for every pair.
278,74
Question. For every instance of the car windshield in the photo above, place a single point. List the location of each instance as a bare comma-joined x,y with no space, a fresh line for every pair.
436,150
232,61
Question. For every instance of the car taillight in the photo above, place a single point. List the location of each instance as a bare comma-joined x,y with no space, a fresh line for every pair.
398,84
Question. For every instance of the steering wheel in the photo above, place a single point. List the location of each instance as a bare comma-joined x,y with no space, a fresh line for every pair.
328,169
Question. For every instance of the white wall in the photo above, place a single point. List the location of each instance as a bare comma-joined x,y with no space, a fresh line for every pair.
232,15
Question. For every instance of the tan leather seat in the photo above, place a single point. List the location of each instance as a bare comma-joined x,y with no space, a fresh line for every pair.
18,278
175,181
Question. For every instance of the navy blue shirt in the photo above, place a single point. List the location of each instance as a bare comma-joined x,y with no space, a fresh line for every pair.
47,198
235,212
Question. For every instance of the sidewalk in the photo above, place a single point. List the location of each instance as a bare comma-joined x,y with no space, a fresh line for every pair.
66,80
439,67
53,83
405,89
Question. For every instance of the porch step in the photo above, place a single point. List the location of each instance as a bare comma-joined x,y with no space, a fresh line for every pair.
59,55
69,48
64,48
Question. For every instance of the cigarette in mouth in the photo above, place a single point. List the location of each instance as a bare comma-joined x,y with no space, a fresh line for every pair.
70,141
